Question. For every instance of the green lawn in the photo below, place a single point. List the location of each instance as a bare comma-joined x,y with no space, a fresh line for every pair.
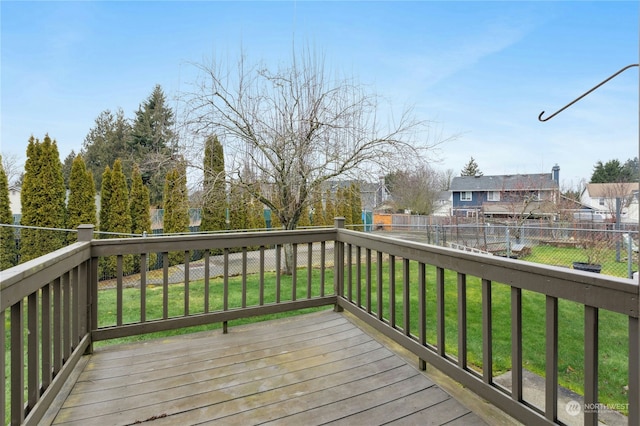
613,344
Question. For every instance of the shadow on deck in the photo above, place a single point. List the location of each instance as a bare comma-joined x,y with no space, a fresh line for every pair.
311,369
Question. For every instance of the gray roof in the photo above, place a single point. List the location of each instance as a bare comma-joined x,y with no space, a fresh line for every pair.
540,181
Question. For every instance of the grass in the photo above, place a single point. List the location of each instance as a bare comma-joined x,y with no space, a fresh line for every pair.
550,255
613,328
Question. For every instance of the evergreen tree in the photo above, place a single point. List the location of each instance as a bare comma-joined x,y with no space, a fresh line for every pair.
152,141
105,266
43,200
614,172
105,201
356,205
8,252
82,192
119,214
238,211
275,221
318,217
67,165
330,212
471,169
119,218
343,205
256,214
106,142
214,206
140,212
139,204
304,220
176,208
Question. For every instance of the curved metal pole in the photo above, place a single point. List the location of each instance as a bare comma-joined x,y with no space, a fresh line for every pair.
584,94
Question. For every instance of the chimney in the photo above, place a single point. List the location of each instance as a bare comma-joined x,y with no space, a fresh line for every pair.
555,174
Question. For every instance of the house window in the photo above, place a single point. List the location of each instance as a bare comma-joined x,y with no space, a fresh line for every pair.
601,201
493,196
465,196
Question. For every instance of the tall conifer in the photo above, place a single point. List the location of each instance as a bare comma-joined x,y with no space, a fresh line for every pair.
330,212
140,215
214,188
43,200
105,201
176,208
119,219
82,191
356,205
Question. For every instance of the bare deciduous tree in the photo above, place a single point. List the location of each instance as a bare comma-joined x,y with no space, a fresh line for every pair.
13,169
293,128
416,189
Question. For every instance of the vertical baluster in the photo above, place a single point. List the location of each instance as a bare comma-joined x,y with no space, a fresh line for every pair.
66,317
590,364
350,272
143,287
119,289
93,297
57,325
309,268
359,276
634,371
225,288
3,383
33,355
368,278
83,304
17,363
392,291
516,344
186,282
379,285
462,321
294,271
46,337
422,309
206,280
487,338
75,303
323,248
165,285
261,275
551,379
440,325
278,272
406,298
244,277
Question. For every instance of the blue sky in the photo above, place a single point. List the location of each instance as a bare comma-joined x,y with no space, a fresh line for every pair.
480,70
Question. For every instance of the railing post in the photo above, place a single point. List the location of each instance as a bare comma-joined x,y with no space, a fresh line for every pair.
85,232
87,287
338,264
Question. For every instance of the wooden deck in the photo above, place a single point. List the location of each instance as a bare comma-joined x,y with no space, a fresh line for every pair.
312,369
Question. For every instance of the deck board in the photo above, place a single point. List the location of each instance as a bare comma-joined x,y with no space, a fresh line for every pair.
312,369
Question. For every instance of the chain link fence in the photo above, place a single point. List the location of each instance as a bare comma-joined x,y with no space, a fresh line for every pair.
614,250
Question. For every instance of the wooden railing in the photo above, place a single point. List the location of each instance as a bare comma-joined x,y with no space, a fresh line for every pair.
59,296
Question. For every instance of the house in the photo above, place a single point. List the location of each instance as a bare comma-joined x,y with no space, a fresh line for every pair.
606,199
520,195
